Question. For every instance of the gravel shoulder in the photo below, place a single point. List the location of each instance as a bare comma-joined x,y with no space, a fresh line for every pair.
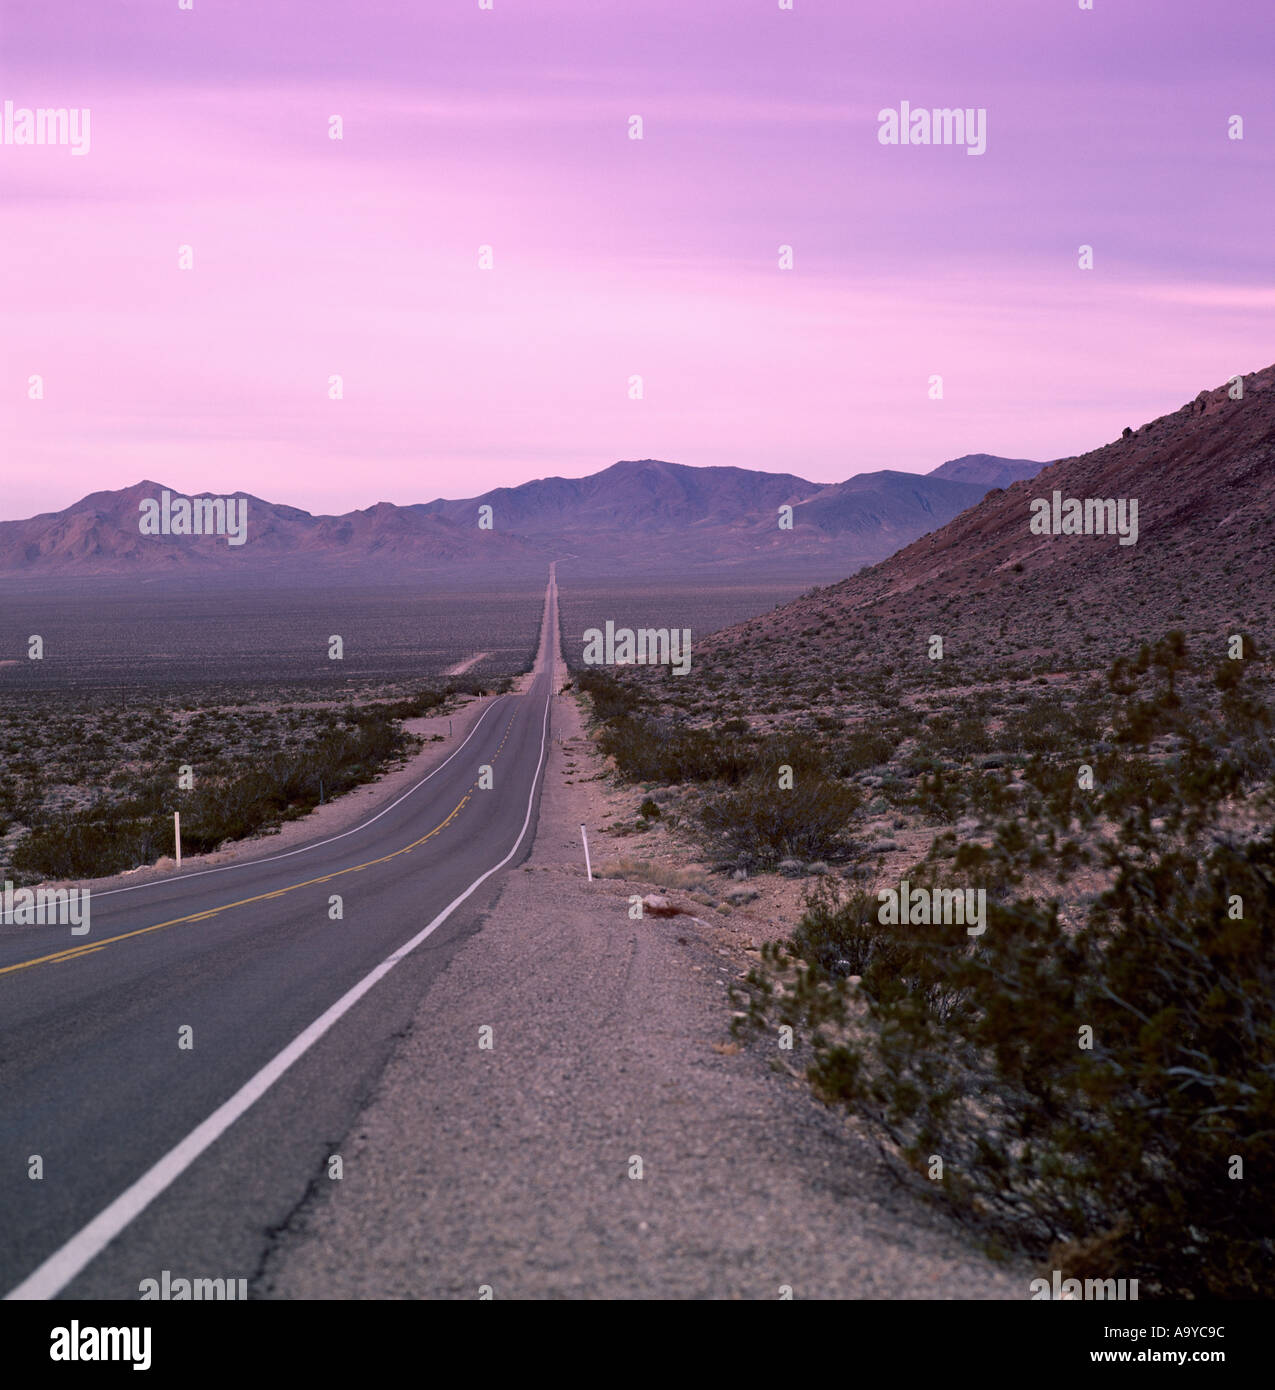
510,1167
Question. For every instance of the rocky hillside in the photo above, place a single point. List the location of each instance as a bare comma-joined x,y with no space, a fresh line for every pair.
999,593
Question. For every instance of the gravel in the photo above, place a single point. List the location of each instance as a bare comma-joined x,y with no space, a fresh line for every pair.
512,1167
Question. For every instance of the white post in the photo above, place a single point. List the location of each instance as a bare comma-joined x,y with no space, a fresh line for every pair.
177,835
588,868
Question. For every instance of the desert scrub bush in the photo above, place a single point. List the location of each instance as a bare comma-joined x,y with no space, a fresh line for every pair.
863,749
1105,1092
290,783
758,822
940,794
77,845
1045,726
611,699
648,750
985,792
961,736
841,934
114,834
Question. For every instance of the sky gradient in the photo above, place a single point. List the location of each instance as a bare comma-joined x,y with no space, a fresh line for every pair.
612,256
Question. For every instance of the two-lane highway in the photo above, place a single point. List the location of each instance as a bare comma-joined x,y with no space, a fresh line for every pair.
172,1083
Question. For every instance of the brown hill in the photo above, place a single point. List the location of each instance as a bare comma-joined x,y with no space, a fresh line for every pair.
998,594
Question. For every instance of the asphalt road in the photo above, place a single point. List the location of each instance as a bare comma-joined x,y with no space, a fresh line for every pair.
157,1156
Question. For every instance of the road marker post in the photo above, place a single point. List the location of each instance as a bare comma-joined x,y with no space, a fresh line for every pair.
177,835
588,868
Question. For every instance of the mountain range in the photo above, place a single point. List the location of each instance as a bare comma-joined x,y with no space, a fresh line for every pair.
633,516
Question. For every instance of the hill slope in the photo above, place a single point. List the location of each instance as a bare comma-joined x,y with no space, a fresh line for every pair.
886,504
1204,560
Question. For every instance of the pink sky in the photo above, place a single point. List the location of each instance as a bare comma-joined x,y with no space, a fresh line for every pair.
614,256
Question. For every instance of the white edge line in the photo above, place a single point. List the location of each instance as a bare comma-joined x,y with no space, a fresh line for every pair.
318,844
65,1263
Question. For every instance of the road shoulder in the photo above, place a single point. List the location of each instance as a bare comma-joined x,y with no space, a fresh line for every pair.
514,1166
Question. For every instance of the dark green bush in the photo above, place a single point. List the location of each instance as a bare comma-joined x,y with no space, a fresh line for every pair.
1120,1155
765,824
612,699
108,838
861,750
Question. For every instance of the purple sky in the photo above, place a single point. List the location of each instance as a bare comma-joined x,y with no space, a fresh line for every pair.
614,256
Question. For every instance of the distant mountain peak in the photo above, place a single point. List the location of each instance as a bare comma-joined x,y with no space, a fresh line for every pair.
987,469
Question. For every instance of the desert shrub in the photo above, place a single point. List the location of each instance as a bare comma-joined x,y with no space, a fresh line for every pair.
290,784
650,749
646,750
612,699
861,750
416,705
985,792
938,792
961,736
842,934
1118,1149
1140,721
73,846
766,825
111,836
1045,726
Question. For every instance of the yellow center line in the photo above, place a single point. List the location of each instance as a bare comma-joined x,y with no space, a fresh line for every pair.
88,949
76,951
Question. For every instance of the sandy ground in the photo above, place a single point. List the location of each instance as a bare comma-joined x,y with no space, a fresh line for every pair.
462,666
514,1167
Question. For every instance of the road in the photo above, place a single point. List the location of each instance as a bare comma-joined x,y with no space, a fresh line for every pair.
157,1156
